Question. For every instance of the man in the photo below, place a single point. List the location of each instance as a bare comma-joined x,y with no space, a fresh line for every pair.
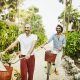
59,43
27,44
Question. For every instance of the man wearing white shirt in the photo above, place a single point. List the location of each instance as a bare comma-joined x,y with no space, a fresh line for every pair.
27,43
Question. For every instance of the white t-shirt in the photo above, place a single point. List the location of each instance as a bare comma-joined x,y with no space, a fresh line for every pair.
26,42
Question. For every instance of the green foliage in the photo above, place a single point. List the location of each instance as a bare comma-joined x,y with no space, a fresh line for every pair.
7,35
33,9
71,15
11,14
72,48
6,58
11,6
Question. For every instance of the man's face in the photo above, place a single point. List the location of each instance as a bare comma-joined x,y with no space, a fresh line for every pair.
58,29
27,29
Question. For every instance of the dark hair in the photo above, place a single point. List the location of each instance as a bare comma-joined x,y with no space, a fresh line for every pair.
60,27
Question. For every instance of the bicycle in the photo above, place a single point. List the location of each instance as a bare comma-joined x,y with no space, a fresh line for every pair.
50,58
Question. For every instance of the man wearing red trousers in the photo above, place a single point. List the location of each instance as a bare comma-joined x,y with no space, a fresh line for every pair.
27,44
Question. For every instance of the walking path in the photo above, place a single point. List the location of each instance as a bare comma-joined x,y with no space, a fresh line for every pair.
40,70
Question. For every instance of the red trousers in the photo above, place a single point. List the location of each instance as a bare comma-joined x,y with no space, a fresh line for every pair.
27,68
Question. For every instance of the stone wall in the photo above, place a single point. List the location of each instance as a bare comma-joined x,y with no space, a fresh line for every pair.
70,68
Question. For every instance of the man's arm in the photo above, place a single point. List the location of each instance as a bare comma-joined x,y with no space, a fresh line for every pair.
48,41
11,46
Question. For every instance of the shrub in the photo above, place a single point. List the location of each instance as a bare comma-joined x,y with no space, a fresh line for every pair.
72,48
7,35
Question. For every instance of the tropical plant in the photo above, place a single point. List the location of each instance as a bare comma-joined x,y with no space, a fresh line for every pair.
66,14
72,48
9,6
7,35
73,17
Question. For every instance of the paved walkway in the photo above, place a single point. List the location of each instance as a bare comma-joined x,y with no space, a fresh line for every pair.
40,70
